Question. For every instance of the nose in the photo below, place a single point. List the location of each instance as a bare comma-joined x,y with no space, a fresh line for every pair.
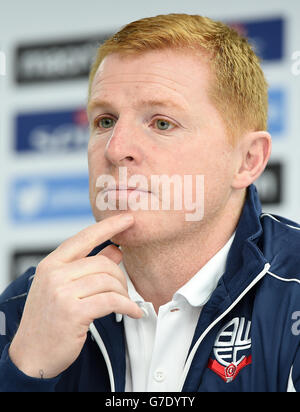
122,148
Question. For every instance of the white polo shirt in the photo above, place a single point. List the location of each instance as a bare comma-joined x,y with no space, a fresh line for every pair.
157,345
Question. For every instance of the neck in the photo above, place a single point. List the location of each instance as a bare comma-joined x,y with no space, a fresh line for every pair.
159,269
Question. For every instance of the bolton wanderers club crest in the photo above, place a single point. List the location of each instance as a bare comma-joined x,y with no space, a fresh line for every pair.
231,344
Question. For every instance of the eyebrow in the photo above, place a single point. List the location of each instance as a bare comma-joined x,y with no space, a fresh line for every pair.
143,102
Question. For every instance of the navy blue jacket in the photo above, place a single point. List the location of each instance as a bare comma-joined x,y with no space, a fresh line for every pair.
247,337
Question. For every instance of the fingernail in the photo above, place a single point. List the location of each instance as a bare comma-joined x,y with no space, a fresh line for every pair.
145,313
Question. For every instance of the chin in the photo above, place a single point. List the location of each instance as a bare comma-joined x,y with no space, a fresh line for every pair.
127,239
149,227
136,235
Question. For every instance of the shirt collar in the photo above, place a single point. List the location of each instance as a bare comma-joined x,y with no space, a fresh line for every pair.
199,288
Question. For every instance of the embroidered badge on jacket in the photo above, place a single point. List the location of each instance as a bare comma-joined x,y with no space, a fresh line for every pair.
231,346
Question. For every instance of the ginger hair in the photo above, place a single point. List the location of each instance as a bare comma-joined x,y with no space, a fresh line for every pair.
238,89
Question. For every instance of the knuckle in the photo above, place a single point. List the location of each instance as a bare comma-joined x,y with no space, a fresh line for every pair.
59,295
42,267
50,281
45,266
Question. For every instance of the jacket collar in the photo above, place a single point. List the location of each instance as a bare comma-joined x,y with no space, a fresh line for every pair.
245,261
244,268
245,258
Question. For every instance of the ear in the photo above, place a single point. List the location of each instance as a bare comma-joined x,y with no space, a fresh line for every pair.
254,152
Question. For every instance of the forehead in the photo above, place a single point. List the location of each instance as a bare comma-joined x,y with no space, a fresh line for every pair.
165,73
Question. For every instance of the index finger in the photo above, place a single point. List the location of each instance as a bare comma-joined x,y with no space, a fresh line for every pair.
83,242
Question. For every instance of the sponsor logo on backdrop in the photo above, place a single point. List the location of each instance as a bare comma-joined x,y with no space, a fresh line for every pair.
269,184
265,35
56,60
52,131
277,112
46,198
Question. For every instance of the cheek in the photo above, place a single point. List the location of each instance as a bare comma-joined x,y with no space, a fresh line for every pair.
95,166
218,179
216,165
96,158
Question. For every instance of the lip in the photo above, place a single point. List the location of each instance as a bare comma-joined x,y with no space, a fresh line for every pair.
120,188
124,193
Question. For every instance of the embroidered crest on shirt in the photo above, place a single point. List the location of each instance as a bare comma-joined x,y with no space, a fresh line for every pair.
231,346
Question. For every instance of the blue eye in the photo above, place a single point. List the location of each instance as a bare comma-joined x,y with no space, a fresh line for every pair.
106,122
163,124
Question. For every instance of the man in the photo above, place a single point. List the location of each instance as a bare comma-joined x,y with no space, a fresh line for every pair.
205,303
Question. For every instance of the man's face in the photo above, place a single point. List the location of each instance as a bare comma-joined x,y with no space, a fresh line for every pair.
150,115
